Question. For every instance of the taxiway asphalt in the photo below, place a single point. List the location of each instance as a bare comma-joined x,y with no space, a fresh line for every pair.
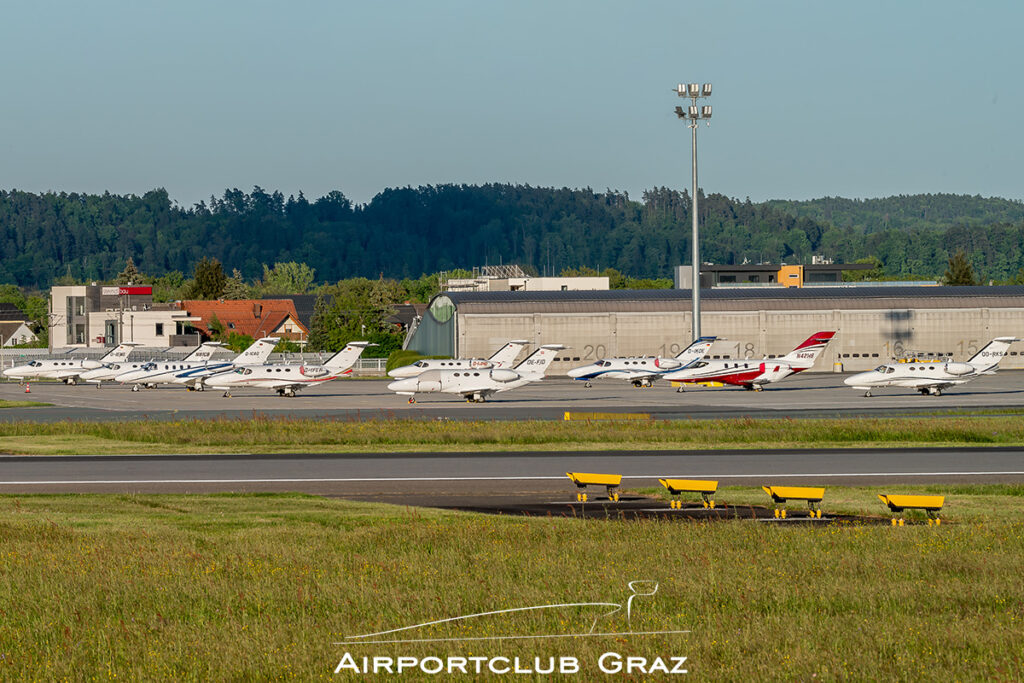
445,478
813,395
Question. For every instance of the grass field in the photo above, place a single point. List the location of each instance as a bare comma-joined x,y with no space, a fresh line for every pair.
248,587
277,435
4,403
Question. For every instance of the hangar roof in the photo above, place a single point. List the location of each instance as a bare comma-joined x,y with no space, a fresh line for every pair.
739,299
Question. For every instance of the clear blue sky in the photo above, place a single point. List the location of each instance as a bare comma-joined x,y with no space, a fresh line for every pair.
858,99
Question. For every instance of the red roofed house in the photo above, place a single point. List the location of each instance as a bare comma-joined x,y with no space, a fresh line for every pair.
254,317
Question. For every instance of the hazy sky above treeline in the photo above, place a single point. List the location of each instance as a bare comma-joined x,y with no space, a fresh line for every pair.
810,99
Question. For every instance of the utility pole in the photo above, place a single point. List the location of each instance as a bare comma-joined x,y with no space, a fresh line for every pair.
693,115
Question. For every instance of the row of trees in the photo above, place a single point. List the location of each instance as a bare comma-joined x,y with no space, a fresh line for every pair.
405,232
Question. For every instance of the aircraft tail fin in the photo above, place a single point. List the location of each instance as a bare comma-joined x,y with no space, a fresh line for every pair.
537,363
804,355
119,353
346,358
506,355
258,353
203,352
988,358
696,350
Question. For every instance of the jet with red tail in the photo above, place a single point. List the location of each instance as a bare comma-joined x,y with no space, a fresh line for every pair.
754,374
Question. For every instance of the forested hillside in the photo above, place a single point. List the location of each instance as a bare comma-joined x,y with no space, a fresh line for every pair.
408,232
905,212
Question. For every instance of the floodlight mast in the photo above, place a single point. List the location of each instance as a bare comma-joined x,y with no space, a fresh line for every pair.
693,114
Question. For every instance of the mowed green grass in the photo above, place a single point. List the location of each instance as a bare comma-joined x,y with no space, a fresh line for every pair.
283,435
5,403
246,587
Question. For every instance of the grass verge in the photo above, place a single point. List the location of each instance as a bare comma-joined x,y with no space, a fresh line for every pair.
282,435
247,587
4,403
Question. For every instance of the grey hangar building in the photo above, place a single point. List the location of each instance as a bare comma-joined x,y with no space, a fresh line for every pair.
874,324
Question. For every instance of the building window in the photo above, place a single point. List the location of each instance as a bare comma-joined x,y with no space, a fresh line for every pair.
727,278
159,329
754,278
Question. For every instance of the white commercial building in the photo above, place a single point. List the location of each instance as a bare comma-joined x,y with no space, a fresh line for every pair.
89,316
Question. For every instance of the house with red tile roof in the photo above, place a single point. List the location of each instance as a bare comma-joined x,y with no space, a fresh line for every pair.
254,317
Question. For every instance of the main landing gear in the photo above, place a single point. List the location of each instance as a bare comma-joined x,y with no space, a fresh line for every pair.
641,383
587,385
476,398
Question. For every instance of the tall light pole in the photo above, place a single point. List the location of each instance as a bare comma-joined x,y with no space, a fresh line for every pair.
693,114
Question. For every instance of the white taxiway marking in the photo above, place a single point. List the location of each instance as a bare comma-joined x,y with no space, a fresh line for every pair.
328,480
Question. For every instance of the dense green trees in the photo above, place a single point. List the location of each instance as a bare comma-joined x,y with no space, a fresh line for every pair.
406,232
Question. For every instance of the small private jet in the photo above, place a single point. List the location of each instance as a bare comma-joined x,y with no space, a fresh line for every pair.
754,374
168,372
475,385
502,358
111,370
641,370
288,379
931,377
68,370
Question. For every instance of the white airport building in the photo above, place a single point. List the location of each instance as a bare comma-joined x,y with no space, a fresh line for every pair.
90,316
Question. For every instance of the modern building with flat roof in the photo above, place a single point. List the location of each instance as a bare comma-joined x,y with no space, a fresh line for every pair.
87,316
874,324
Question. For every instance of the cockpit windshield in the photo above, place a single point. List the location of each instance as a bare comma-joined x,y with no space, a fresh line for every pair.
149,366
35,364
420,364
247,371
885,369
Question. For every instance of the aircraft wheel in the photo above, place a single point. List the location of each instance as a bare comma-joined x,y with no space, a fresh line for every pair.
412,399
679,390
938,392
72,381
135,387
227,394
200,388
587,385
867,394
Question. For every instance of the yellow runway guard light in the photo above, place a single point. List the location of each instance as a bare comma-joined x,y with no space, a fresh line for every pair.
611,482
930,504
812,494
704,487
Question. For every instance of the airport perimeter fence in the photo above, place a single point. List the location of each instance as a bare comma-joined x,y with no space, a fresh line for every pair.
364,367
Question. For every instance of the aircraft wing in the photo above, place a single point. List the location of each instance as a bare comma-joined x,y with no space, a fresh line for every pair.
925,383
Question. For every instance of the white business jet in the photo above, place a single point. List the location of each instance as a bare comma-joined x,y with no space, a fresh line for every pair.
754,374
68,370
642,370
287,379
166,372
933,376
111,370
477,384
502,358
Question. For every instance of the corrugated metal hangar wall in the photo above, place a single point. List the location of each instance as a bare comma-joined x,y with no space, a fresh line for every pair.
874,324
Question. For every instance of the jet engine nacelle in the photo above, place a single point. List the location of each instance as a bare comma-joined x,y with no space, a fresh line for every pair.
667,363
428,385
960,369
503,375
773,371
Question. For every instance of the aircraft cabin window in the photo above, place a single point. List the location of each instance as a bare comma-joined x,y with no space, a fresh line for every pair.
475,374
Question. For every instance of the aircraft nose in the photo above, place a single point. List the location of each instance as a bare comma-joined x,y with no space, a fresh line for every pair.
578,372
854,379
400,373
402,385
